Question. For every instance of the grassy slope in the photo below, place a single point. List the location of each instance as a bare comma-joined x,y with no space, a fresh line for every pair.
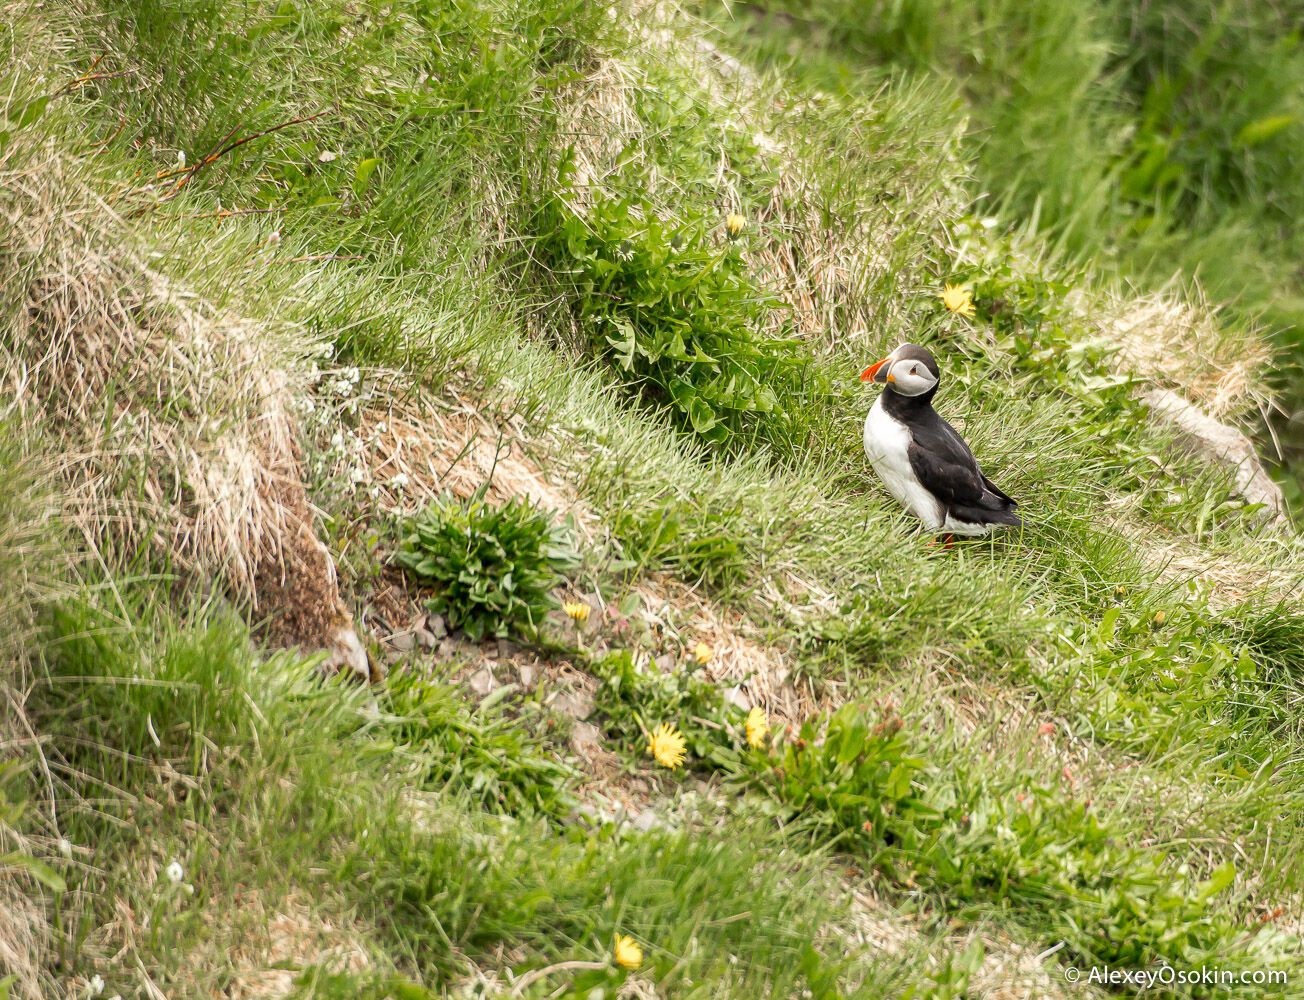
1154,140
419,249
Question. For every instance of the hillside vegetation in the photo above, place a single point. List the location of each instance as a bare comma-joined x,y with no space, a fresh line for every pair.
437,556
1154,141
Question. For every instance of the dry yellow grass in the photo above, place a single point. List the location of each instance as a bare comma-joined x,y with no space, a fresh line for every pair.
1176,342
174,420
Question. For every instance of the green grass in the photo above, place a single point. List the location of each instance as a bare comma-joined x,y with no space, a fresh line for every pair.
169,726
424,251
1151,140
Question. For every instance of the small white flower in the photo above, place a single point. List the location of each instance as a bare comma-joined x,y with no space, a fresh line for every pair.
181,157
400,481
275,236
96,986
357,474
337,440
65,847
381,427
174,872
327,156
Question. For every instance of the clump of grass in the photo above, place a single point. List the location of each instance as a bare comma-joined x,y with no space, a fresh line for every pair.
493,567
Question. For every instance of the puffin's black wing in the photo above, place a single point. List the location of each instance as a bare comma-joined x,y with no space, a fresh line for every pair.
946,467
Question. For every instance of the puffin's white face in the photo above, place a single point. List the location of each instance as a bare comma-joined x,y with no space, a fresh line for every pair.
910,378
904,372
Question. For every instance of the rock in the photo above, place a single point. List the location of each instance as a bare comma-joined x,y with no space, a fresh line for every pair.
482,682
426,638
665,662
1219,442
736,697
528,674
346,652
586,739
576,704
507,648
467,649
639,787
646,820
447,649
404,642
437,626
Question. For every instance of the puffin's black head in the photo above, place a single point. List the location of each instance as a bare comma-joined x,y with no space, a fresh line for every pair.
908,371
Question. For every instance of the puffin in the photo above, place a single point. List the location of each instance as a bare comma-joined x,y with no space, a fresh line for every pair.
923,462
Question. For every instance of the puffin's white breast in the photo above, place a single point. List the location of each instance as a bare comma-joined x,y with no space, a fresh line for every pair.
887,443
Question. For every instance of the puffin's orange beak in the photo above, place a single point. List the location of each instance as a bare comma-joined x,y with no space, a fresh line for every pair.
870,374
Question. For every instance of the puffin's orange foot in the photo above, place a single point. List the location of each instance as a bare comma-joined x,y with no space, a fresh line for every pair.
947,541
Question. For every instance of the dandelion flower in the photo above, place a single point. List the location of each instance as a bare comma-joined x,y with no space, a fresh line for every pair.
734,224
174,872
702,653
576,611
758,726
628,954
667,746
958,299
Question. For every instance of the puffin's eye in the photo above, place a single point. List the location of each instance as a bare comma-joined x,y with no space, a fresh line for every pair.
914,369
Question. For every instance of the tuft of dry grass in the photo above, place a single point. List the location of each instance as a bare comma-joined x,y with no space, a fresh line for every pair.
172,421
1177,342
292,937
25,933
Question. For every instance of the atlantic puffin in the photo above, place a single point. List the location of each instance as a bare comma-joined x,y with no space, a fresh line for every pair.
921,459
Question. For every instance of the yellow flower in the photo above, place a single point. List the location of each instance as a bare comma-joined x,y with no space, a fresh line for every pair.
958,299
576,611
734,224
667,746
628,954
702,653
757,727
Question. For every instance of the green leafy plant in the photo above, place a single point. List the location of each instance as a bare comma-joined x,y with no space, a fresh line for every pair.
675,309
493,567
861,784
843,778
